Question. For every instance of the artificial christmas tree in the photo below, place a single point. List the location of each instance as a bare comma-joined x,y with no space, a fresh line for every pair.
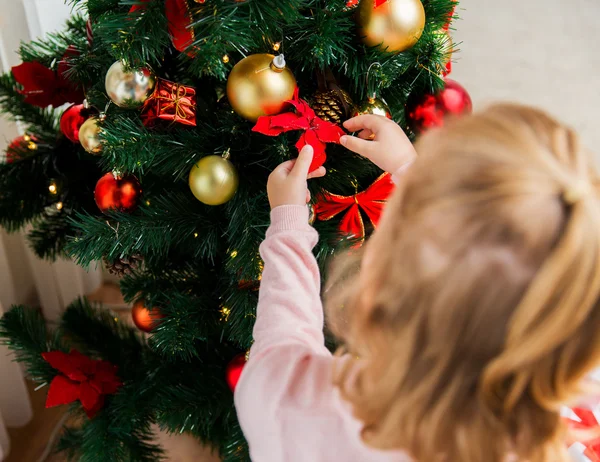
177,153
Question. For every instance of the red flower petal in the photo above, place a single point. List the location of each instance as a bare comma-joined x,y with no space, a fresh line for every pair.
91,412
88,396
265,126
62,391
319,157
64,363
327,131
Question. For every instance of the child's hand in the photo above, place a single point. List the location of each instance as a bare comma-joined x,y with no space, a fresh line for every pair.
389,149
287,183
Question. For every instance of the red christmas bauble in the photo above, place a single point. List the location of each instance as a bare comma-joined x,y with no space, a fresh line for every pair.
143,318
117,193
234,370
430,110
71,120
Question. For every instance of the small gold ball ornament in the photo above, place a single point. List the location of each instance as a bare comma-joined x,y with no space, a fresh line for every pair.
374,105
89,136
128,89
260,85
213,180
395,25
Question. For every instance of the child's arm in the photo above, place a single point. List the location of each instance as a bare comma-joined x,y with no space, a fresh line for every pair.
381,141
289,368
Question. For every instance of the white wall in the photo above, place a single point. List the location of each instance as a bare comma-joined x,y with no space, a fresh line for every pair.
541,52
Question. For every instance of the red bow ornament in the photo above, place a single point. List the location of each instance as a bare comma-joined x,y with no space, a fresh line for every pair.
370,201
44,87
581,419
80,378
170,101
317,131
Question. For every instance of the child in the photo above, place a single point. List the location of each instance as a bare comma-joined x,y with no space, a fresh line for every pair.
474,316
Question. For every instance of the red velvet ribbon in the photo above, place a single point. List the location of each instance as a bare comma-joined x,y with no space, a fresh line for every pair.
587,421
170,101
370,201
316,131
180,23
80,378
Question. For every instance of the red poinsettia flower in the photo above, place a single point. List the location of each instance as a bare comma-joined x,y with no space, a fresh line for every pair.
317,131
44,87
81,378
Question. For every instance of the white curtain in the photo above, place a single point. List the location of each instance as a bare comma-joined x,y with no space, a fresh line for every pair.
25,279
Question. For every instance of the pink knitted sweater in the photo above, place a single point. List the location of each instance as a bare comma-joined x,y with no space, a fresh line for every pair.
287,405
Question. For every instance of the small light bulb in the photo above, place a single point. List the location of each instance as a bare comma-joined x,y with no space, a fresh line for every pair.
225,59
196,235
276,46
26,137
234,254
52,188
59,206
225,312
31,146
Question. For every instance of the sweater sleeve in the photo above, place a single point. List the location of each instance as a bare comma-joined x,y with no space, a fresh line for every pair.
289,303
288,374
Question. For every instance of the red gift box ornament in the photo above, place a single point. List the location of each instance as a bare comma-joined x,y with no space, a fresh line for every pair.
370,201
170,101
80,379
317,131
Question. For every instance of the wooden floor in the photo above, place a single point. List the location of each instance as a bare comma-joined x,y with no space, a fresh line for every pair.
29,443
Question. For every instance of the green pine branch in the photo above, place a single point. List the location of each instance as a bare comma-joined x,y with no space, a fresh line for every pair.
40,121
23,331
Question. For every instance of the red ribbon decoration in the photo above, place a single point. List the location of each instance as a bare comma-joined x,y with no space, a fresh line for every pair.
587,421
43,87
317,131
80,378
170,101
180,23
370,201
450,16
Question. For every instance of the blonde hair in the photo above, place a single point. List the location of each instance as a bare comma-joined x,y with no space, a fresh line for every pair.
479,317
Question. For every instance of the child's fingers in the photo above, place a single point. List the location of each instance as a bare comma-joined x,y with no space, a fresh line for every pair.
363,147
300,169
318,173
365,121
366,134
284,168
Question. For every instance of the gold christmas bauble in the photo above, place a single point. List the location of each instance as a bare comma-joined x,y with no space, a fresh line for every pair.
213,180
128,89
89,136
260,85
395,26
374,105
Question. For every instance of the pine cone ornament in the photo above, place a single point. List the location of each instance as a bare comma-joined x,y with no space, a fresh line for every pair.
334,106
123,265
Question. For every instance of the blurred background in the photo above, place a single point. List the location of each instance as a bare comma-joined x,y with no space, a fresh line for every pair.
539,52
